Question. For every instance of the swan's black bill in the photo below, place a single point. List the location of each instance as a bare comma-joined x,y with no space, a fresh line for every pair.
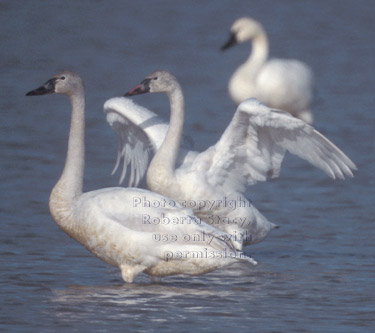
231,42
142,88
47,88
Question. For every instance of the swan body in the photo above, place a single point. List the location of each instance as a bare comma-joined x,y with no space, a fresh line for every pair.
284,84
159,239
251,149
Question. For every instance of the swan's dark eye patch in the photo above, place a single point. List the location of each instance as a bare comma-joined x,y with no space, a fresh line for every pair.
63,78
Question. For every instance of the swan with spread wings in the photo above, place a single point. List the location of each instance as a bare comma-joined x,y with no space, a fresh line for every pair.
213,182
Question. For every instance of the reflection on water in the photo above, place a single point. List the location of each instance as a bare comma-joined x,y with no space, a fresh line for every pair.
128,294
176,300
315,271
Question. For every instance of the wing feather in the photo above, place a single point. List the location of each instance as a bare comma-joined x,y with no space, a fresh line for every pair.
254,144
140,133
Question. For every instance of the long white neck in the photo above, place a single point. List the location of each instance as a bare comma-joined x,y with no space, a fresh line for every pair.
69,186
242,82
259,53
163,164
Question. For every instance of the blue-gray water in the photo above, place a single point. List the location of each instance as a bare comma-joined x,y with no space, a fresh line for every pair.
316,273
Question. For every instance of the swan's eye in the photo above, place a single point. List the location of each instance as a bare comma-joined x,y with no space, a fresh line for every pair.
155,78
63,78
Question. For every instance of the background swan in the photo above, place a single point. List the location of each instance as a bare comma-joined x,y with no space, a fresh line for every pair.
279,83
250,150
113,223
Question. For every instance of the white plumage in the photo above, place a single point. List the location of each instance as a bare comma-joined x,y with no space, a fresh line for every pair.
284,84
250,150
133,229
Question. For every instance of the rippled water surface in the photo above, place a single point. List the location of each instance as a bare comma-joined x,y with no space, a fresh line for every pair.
316,273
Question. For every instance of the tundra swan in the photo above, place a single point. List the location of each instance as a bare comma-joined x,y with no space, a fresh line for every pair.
284,84
133,229
213,182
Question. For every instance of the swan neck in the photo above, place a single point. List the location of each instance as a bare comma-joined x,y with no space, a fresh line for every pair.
160,174
242,84
70,184
171,144
259,53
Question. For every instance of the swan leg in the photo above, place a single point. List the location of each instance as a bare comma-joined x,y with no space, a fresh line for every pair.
129,273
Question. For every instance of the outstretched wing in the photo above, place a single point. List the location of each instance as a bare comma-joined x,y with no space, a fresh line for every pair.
254,144
140,133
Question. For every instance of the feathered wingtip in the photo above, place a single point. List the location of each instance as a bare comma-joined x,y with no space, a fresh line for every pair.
134,146
230,243
243,256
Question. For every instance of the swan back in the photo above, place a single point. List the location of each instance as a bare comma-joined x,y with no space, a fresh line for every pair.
285,84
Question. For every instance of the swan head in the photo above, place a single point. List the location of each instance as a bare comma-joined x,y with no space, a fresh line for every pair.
66,83
159,81
242,30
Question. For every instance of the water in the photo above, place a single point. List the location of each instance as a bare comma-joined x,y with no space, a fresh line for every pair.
316,272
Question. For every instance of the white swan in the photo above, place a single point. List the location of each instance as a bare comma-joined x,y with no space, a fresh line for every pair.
134,229
279,83
213,182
